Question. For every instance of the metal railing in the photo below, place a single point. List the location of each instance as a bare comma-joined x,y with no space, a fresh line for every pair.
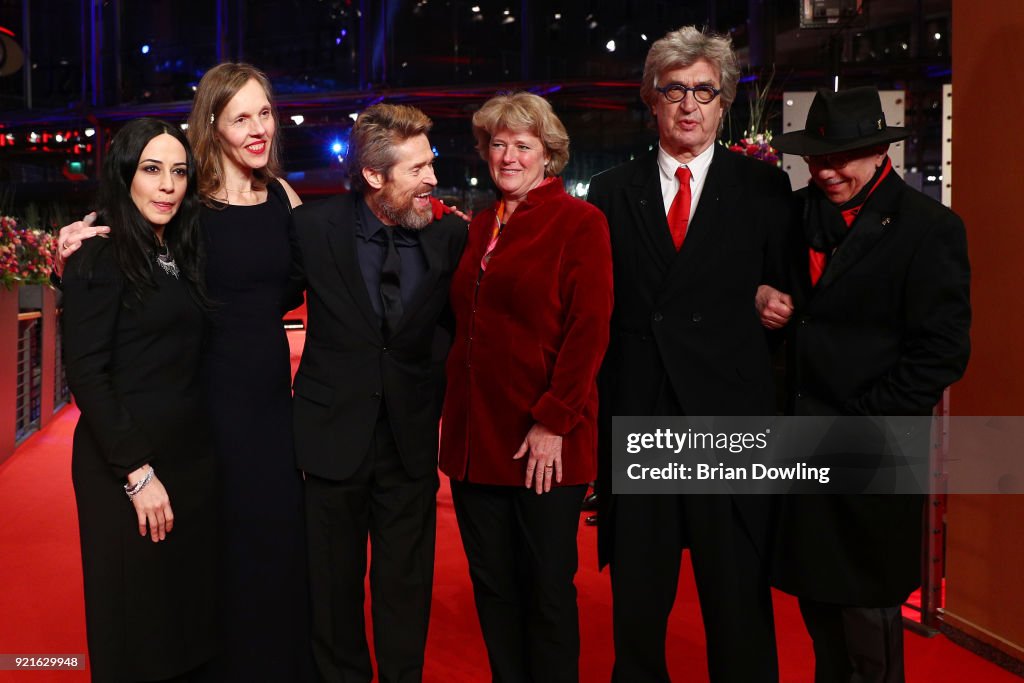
61,393
29,400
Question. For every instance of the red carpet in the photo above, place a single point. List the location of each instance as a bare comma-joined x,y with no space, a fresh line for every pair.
41,609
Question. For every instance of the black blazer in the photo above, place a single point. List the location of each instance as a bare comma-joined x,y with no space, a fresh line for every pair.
688,318
347,366
885,331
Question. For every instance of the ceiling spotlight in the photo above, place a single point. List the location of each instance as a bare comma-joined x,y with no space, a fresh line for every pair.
643,37
473,182
507,12
184,126
558,15
354,115
474,8
89,132
508,20
298,119
938,36
145,49
610,46
58,137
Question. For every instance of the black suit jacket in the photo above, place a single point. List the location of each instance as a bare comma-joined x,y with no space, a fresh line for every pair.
348,367
684,323
885,331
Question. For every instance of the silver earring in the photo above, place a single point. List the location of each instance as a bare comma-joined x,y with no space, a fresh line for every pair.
211,119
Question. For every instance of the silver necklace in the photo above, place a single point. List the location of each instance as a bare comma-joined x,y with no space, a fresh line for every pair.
165,261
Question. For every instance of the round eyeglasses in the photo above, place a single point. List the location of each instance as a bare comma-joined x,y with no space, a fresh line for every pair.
704,94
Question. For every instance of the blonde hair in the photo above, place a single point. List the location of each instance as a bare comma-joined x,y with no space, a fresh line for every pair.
683,47
215,90
523,111
372,141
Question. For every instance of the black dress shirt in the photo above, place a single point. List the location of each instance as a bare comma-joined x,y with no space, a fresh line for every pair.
371,247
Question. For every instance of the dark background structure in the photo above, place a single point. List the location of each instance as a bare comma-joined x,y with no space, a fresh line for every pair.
92,64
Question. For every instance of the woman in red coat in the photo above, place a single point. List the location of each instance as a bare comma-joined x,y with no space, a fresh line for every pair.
532,299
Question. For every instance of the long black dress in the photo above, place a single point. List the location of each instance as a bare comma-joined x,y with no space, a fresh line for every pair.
247,372
133,367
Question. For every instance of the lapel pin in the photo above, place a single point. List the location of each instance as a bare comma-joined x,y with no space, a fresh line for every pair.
886,221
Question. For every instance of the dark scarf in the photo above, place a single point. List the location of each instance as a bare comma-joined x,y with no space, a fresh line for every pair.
826,224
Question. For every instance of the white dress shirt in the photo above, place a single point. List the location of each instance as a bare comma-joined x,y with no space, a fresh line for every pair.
699,165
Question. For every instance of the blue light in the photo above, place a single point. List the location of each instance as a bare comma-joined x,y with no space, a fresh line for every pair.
434,150
337,41
145,49
338,144
344,32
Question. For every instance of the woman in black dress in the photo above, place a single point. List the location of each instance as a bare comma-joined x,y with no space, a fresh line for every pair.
133,329
263,586
247,372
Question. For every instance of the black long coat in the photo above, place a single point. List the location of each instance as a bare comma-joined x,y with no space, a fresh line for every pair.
884,332
347,366
688,318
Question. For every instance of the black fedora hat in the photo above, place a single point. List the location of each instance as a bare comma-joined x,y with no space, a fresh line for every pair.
841,121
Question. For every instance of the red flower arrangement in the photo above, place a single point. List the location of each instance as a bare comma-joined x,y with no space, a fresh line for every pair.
757,140
758,146
26,254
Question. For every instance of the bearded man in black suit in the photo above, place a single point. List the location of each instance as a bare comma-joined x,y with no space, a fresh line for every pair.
695,230
376,267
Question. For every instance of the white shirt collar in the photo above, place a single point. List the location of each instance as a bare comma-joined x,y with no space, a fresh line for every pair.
698,166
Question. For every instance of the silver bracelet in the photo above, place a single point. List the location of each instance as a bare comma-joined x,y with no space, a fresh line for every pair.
133,490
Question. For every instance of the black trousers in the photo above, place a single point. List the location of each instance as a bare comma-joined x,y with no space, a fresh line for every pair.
522,557
855,644
735,600
398,513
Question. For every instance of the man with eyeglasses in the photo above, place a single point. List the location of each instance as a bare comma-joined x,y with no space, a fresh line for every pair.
695,230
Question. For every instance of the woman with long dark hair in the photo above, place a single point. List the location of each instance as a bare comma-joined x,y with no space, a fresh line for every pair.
142,464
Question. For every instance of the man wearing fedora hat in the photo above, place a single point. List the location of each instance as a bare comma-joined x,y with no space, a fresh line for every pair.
881,314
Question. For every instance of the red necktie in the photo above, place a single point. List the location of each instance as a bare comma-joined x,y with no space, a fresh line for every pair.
679,212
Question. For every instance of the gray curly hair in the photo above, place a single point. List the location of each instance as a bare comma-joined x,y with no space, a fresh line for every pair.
680,49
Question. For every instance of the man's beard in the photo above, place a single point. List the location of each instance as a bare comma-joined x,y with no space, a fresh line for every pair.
400,210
